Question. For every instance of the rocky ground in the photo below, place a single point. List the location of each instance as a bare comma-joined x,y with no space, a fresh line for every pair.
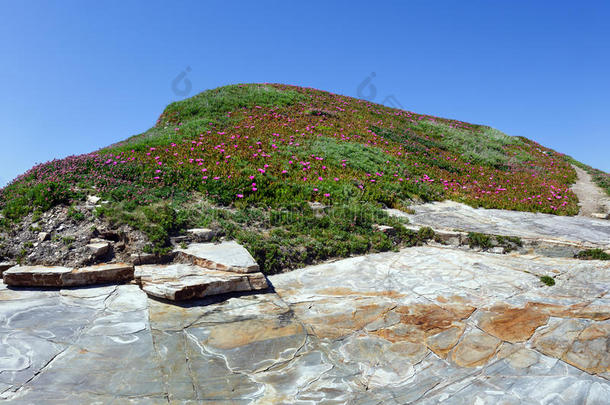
447,322
70,236
426,325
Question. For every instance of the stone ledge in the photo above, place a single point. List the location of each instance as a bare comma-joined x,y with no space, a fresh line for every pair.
177,282
56,276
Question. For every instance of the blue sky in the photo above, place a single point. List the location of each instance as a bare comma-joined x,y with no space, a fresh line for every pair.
76,76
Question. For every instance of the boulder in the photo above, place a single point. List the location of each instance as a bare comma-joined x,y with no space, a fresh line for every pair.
98,249
42,236
56,276
225,256
5,266
180,281
201,234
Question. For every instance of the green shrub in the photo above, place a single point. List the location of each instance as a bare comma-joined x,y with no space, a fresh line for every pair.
593,254
75,214
550,281
481,240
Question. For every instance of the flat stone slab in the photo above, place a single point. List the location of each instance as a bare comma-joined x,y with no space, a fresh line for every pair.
179,282
455,216
55,276
225,256
425,325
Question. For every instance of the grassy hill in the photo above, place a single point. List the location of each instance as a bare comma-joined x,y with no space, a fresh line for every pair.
247,159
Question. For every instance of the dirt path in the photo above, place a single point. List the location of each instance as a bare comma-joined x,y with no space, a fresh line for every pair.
593,200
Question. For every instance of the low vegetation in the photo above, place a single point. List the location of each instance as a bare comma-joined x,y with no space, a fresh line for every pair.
593,254
271,148
278,239
548,280
485,241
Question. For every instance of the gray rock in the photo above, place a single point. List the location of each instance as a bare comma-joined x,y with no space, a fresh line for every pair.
99,248
179,282
225,256
600,215
201,234
5,266
43,236
453,215
40,276
497,250
452,238
424,325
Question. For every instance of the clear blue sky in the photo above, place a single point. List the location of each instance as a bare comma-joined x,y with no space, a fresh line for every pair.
76,76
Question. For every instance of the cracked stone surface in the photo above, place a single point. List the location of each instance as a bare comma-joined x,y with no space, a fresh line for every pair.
425,325
452,215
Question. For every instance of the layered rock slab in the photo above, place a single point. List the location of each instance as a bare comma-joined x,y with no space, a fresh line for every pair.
424,325
451,215
225,256
57,276
180,281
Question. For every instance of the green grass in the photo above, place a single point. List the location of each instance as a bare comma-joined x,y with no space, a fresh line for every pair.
486,147
550,281
207,110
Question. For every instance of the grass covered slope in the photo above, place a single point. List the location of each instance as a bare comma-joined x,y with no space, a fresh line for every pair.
271,147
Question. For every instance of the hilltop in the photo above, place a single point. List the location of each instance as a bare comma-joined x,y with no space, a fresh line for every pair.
296,174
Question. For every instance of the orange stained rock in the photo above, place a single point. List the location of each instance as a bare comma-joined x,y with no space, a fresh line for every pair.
512,324
475,349
584,310
442,342
341,291
325,320
237,334
427,316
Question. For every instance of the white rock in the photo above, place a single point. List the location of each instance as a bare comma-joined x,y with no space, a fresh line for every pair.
201,234
178,282
92,199
225,256
383,228
99,249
